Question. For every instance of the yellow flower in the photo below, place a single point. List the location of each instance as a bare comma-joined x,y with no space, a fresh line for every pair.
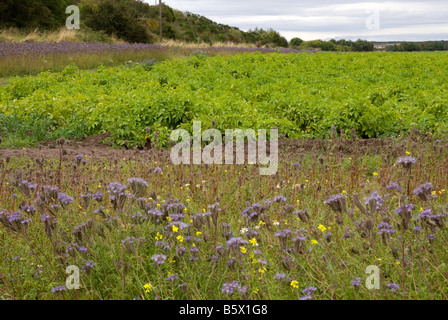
322,228
261,223
375,173
408,153
253,241
169,219
314,241
344,192
175,229
243,249
158,236
158,204
397,263
180,238
148,287
295,284
198,233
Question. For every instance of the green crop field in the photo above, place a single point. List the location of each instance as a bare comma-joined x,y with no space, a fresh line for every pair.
304,95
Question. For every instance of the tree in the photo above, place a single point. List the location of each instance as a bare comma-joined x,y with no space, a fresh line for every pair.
45,14
362,45
295,42
408,46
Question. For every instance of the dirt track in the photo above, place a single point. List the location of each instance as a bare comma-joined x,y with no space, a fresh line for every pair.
94,147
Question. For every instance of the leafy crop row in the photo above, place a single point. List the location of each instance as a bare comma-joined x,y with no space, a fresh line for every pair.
304,95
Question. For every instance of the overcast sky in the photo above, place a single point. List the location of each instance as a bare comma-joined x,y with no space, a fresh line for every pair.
413,20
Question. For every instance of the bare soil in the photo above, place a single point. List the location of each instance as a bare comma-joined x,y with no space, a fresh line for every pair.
96,148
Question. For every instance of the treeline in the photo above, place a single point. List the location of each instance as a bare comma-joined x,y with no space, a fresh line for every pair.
333,45
130,20
418,46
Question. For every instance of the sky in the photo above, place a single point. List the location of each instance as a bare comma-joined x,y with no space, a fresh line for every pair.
326,19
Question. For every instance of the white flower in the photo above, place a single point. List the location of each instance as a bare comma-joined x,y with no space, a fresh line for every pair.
276,223
243,231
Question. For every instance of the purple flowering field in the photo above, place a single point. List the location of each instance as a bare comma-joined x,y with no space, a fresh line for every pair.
135,226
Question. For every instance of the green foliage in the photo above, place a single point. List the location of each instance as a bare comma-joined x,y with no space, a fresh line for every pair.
418,46
362,45
295,42
45,14
304,95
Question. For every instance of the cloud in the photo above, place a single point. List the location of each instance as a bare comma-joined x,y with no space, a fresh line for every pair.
324,19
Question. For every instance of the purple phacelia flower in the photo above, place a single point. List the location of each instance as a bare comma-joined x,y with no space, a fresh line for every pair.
338,203
424,191
356,282
393,287
159,259
406,162
58,289
157,170
279,199
280,276
98,196
394,185
82,249
309,290
230,287
374,200
172,277
386,228
64,199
